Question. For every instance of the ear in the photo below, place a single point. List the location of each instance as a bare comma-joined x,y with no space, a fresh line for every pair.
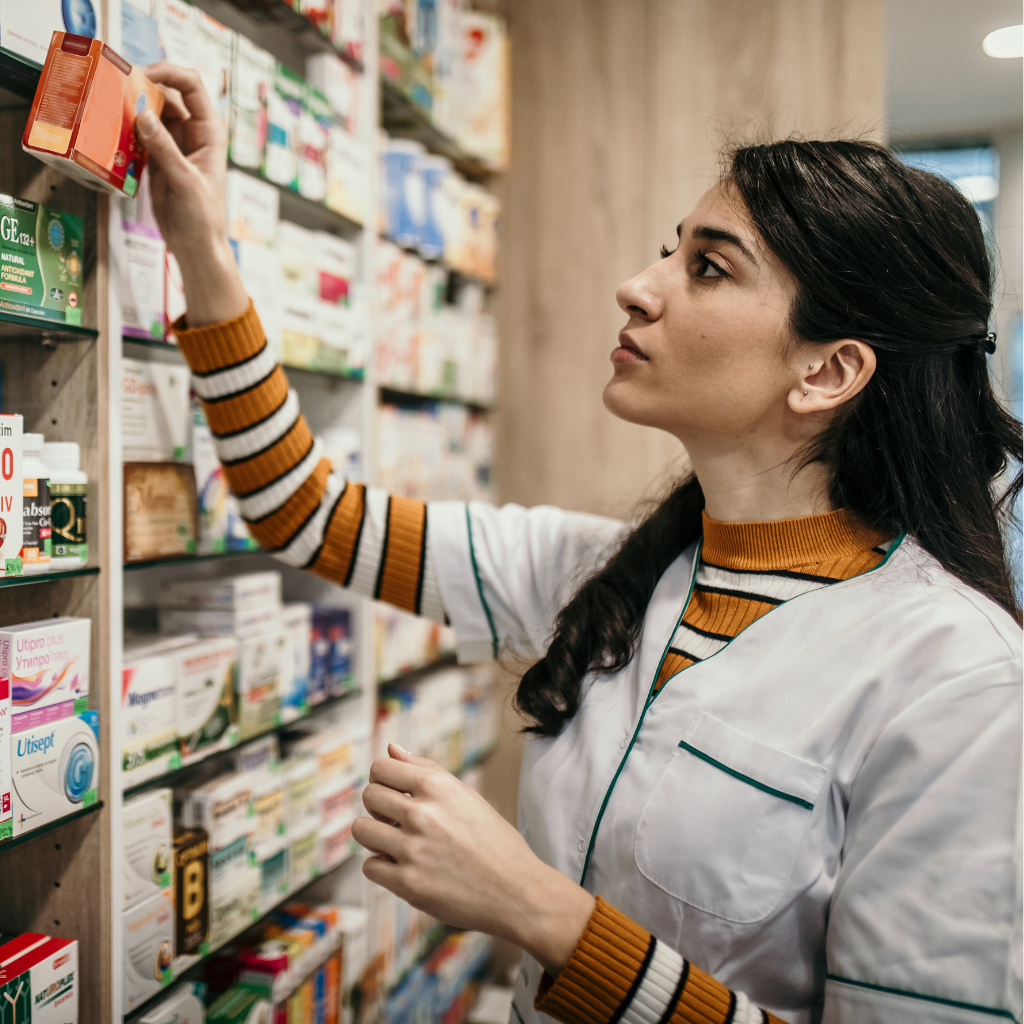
829,375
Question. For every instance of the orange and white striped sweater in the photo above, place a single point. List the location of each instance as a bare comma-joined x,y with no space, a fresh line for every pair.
376,545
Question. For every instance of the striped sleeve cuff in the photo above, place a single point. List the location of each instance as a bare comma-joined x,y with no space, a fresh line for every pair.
212,348
620,974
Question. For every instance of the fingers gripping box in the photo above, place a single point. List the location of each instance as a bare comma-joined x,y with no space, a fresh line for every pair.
82,119
39,980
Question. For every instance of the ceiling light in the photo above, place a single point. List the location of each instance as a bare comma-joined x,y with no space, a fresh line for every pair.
1005,42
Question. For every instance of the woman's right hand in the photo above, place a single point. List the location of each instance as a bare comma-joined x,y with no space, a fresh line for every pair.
188,168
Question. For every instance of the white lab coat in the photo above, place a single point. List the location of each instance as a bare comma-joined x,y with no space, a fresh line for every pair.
887,708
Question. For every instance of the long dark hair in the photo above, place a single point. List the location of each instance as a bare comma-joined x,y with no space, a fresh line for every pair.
894,257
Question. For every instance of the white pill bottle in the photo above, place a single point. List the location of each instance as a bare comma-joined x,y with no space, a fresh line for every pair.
68,489
35,550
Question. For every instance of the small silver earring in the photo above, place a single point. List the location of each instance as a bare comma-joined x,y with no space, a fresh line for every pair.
805,392
810,366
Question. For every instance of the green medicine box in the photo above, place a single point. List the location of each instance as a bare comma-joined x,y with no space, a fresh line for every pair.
40,262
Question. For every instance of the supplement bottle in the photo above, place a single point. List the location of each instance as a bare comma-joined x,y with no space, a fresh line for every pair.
68,488
35,549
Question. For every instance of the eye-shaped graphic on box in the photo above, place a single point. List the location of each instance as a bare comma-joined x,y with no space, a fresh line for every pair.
55,769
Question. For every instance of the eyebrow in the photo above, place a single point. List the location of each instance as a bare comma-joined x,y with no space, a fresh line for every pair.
717,235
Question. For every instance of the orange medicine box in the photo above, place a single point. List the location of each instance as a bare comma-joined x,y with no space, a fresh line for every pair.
82,119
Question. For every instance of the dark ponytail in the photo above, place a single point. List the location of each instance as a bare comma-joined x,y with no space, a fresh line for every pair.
894,257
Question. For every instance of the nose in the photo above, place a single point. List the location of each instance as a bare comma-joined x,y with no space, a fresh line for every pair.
639,298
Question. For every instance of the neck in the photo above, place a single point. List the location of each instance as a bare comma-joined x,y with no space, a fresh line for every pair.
757,483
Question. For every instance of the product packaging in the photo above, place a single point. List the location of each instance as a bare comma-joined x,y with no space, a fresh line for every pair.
191,886
240,1004
6,810
147,948
149,703
272,858
41,272
252,78
260,661
403,191
298,621
216,620
303,865
207,709
262,756
160,510
140,32
210,51
311,153
26,28
268,810
260,269
347,174
11,497
147,827
185,1005
252,209
335,842
154,411
46,665
140,281
39,981
253,591
174,23
54,770
69,488
331,652
221,808
299,775
284,107
234,905
82,119
35,507
341,84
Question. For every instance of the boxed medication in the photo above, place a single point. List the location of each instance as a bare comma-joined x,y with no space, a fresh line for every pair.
303,862
185,1005
301,806
217,620
140,281
241,1004
26,28
210,51
272,859
174,25
149,703
46,665
260,662
260,268
39,981
341,84
154,411
148,948
229,859
206,709
284,107
252,78
211,487
234,904
11,494
55,770
221,807
147,845
298,622
253,591
260,756
160,510
335,842
82,119
192,891
347,174
311,163
140,32
268,810
41,260
252,209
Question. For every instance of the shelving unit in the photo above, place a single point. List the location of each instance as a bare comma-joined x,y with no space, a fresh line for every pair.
65,380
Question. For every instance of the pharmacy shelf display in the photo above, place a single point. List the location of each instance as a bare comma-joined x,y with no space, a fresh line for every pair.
385,330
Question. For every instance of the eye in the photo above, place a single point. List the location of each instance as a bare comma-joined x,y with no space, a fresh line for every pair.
666,252
707,268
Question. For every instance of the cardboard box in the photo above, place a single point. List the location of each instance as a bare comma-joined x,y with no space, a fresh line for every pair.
284,107
211,45
217,620
160,510
185,1005
260,665
252,78
39,981
47,666
149,705
192,891
55,770
221,807
252,209
148,948
140,281
252,591
298,621
41,272
147,830
207,708
82,119
234,905
26,28
154,411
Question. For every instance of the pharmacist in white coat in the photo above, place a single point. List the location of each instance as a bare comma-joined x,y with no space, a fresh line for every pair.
774,769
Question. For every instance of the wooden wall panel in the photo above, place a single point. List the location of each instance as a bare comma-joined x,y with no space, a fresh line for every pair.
620,108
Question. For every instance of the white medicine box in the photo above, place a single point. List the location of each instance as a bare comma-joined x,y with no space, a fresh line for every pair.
147,846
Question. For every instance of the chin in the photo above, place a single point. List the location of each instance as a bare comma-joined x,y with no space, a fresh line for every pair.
627,400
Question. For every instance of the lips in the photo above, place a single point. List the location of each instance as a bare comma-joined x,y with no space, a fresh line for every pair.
627,352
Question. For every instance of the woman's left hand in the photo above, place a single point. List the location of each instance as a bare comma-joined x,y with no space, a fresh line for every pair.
443,848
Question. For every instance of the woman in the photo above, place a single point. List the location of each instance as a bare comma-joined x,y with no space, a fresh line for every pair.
778,725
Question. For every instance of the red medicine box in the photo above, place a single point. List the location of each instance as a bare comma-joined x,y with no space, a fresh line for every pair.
83,116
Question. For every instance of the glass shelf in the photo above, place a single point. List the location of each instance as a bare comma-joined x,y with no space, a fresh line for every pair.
47,577
396,396
15,325
26,837
154,563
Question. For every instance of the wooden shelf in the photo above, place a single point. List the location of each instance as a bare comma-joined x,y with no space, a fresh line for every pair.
48,577
176,776
27,837
15,325
18,75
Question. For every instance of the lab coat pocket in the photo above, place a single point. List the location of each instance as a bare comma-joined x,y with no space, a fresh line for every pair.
723,825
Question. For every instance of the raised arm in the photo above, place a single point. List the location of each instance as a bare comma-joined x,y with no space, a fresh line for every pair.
498,575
